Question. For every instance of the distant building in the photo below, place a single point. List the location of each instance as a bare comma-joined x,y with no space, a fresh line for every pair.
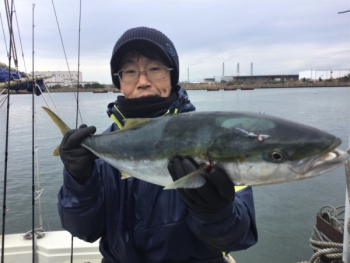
209,80
260,78
218,79
62,78
313,74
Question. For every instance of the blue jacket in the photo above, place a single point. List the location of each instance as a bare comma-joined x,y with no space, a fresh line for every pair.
140,222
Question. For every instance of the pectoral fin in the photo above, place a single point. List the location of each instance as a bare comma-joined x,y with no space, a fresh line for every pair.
193,180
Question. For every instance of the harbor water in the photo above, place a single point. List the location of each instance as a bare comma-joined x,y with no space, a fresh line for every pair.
285,213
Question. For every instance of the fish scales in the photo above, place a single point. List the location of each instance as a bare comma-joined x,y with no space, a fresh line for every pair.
254,149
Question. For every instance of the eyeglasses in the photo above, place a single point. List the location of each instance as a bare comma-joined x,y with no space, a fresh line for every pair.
131,75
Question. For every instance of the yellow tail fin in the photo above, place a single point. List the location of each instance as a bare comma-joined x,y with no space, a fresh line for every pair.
60,124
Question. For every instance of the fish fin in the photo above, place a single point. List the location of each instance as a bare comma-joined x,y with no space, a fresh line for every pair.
239,187
57,120
131,123
125,175
60,124
193,180
56,152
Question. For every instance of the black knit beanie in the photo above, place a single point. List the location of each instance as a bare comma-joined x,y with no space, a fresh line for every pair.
150,37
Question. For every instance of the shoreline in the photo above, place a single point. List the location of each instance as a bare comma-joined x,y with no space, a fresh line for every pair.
207,86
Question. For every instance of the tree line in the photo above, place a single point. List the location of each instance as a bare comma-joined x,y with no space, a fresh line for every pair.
86,86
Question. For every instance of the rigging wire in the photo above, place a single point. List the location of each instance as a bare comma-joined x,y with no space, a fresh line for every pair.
20,40
9,16
52,101
64,51
3,32
4,208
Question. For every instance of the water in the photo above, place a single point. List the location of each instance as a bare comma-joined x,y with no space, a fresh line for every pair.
285,213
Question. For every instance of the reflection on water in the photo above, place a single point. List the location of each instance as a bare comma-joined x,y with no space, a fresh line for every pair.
285,212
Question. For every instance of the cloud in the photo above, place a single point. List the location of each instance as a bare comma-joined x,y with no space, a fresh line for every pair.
277,36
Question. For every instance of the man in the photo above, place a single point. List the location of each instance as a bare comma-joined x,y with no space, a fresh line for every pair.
138,221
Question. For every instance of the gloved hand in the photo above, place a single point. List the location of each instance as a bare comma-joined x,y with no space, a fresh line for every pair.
216,194
78,160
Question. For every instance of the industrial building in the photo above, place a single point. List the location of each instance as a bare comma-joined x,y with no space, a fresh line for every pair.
307,74
62,78
313,74
254,78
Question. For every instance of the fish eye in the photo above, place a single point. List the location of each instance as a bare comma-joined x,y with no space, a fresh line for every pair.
277,156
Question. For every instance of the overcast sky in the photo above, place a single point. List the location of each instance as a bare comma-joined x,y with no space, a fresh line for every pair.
278,37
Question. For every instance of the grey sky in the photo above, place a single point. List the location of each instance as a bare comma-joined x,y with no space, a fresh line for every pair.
277,36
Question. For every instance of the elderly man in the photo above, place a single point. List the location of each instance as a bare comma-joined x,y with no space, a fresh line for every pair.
138,221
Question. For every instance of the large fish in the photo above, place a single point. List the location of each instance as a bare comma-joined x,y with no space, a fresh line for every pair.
254,149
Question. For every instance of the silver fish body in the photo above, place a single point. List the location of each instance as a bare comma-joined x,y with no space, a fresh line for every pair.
254,149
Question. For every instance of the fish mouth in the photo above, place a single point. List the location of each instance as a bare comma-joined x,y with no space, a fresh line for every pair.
320,164
331,159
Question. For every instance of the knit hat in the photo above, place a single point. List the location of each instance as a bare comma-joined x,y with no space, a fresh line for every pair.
145,36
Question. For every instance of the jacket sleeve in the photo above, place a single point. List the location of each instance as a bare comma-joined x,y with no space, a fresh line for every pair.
231,229
81,207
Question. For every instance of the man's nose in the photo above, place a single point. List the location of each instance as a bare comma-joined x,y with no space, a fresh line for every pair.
143,79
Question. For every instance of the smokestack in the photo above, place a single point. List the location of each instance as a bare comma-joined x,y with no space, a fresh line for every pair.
223,69
237,69
251,69
188,74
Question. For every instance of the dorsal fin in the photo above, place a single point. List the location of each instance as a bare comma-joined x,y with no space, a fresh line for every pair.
131,123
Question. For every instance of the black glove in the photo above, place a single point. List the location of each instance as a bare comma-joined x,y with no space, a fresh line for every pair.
216,194
78,160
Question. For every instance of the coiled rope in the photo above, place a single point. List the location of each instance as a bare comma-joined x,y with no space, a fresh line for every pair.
347,174
39,233
320,243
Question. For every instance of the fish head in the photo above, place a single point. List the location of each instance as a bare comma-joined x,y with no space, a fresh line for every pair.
259,149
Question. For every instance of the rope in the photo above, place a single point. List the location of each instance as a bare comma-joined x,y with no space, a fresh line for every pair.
320,243
39,232
347,173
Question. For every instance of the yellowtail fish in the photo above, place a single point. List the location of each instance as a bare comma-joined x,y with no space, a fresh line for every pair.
254,149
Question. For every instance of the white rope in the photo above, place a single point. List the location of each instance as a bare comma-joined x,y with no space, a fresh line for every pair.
320,243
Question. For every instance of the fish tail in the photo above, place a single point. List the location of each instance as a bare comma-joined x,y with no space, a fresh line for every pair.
60,124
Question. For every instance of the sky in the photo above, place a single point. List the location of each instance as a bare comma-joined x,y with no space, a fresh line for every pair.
278,37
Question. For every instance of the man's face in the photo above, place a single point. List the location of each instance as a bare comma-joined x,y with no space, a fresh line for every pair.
143,86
